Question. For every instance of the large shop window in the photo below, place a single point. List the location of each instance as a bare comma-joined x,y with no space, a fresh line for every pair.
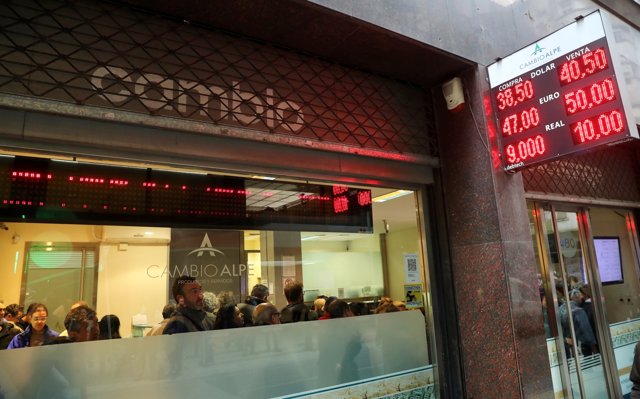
127,271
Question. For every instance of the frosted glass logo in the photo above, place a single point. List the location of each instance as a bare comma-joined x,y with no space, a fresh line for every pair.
156,92
206,247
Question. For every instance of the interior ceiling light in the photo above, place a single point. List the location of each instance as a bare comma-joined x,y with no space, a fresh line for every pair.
310,238
263,177
392,195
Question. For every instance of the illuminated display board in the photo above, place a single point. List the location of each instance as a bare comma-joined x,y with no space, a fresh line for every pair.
42,190
559,96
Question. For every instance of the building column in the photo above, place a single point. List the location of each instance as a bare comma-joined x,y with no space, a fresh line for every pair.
500,320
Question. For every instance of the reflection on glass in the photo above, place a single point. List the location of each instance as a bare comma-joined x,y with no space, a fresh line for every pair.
577,334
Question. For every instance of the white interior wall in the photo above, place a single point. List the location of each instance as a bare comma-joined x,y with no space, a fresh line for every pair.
399,243
622,301
132,281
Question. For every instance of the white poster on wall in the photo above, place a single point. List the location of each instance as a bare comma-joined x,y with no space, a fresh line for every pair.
289,266
411,270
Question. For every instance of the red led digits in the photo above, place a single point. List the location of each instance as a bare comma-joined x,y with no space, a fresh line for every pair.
311,197
364,198
30,175
340,204
590,96
583,66
515,95
339,189
525,149
520,121
597,127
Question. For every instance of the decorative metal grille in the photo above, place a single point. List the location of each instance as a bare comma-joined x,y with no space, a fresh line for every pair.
612,173
108,55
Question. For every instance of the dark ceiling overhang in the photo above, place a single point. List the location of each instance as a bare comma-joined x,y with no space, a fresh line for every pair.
314,30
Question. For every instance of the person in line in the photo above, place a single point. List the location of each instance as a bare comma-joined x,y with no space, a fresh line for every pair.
587,305
259,294
2,307
37,333
327,302
74,305
584,334
296,310
12,314
229,316
210,303
167,312
189,315
110,327
81,324
359,308
318,305
265,314
386,305
25,320
7,332
339,309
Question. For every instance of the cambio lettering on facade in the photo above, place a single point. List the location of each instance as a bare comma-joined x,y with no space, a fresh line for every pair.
286,114
200,271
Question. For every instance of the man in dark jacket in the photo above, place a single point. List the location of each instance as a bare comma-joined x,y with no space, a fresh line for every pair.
259,295
296,310
7,332
190,315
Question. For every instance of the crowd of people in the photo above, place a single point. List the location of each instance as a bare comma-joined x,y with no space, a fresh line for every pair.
22,329
192,314
193,310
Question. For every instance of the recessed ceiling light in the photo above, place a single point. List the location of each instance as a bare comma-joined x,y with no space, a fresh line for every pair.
392,195
263,177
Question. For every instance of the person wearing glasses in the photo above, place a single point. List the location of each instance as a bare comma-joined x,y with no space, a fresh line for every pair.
37,332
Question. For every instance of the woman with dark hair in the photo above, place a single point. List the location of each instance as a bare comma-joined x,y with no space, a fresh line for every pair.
229,316
37,332
339,309
110,327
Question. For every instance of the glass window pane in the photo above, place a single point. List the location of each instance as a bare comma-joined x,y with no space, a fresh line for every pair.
130,269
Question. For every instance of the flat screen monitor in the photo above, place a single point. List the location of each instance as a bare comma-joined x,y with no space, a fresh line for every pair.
609,259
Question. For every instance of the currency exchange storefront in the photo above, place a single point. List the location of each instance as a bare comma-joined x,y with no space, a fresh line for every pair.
136,149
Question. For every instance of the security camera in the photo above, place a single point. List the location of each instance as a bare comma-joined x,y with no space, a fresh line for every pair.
3,227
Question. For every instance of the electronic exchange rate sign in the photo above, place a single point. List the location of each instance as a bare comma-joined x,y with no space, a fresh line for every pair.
558,96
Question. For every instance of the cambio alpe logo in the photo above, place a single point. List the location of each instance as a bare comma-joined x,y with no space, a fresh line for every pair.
206,247
537,49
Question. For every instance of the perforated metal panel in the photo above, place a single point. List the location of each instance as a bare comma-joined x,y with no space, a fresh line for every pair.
105,55
612,174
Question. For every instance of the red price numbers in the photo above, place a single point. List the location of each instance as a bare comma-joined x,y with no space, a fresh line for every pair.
589,97
523,150
340,204
520,121
598,127
514,95
583,66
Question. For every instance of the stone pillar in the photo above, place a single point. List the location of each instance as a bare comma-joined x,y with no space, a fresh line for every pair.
500,319
281,252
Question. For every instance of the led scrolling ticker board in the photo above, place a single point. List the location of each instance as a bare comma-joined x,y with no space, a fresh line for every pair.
559,96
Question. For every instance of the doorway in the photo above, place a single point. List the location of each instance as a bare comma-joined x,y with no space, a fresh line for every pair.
587,260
